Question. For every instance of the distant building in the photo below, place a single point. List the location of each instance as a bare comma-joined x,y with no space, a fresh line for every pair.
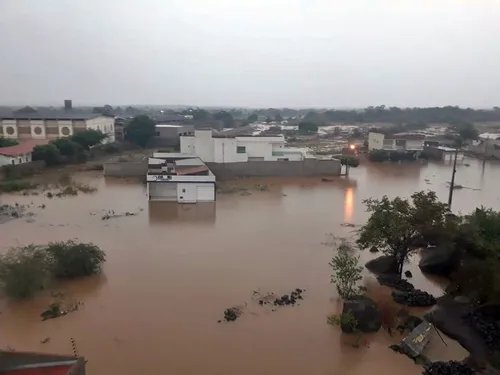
52,124
168,134
18,154
397,142
215,148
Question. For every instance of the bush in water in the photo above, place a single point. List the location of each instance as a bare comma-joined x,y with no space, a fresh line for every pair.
72,259
24,271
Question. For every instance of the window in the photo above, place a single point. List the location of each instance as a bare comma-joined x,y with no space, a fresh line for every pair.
241,149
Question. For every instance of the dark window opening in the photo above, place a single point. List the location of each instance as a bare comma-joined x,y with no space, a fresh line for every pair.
241,149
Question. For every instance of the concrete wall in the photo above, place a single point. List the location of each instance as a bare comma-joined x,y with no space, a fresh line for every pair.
21,170
126,169
105,124
306,168
225,151
375,141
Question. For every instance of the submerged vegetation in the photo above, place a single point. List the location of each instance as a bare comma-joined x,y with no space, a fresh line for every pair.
28,269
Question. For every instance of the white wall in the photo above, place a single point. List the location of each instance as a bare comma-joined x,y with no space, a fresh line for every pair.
225,151
187,145
375,141
19,159
105,124
414,144
204,145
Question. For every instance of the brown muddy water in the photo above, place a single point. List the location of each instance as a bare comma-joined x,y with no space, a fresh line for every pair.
173,269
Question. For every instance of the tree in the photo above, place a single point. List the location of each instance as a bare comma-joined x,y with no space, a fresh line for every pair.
140,130
252,118
396,226
226,118
346,273
49,153
72,259
24,271
278,117
67,147
306,127
269,119
356,133
88,138
466,130
6,142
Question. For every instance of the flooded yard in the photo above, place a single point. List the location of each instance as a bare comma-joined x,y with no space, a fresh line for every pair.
172,270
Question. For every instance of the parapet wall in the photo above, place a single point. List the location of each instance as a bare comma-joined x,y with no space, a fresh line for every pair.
305,168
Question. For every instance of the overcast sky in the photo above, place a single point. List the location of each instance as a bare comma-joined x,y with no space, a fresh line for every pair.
256,53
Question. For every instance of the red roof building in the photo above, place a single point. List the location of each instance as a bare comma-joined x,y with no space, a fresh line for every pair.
19,363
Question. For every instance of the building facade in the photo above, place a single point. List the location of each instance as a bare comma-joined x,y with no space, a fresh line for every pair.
179,178
15,155
51,124
233,149
401,142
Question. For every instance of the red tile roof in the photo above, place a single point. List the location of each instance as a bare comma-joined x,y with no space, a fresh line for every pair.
52,370
190,170
21,148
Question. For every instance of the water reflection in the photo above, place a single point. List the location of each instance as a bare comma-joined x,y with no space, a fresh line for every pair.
164,212
348,204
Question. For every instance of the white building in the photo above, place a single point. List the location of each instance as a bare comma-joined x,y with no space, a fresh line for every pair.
398,142
14,155
224,149
179,178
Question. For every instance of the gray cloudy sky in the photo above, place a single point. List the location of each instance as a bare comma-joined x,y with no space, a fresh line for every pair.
260,53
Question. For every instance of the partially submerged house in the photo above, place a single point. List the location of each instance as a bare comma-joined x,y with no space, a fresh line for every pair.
179,178
403,142
21,363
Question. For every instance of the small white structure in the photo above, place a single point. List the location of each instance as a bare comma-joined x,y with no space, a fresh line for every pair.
179,178
15,155
226,149
399,142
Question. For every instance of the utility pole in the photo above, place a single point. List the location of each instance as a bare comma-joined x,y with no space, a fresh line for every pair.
452,184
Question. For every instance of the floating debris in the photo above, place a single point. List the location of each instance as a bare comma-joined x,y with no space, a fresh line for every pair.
112,215
45,340
55,309
349,225
232,313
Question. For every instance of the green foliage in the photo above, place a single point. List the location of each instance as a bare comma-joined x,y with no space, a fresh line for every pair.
67,147
6,142
479,233
48,153
72,259
346,272
252,118
465,129
140,130
226,118
278,117
350,161
12,186
347,320
24,271
396,226
88,138
478,280
307,127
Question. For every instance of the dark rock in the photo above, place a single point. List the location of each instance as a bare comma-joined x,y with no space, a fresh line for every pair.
448,317
447,368
416,298
396,283
289,299
366,313
383,265
486,325
326,180
374,249
440,261
408,274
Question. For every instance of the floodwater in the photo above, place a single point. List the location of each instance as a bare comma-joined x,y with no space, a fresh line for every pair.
173,269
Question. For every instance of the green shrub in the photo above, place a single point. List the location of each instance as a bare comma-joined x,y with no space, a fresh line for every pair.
24,271
72,259
13,186
346,272
48,153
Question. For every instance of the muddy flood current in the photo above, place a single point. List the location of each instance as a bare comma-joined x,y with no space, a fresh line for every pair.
172,270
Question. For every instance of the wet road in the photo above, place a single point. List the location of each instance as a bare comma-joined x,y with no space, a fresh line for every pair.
173,269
